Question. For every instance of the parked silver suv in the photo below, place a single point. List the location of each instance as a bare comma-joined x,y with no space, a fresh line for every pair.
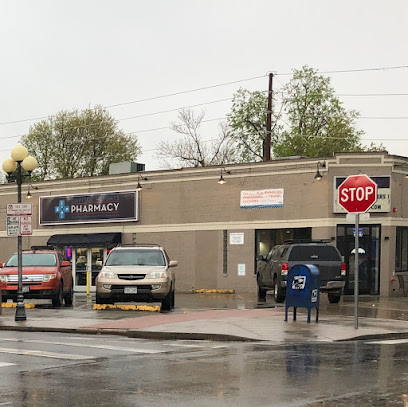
137,273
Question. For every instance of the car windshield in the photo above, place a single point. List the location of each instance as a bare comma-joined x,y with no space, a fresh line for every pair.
136,257
33,259
322,253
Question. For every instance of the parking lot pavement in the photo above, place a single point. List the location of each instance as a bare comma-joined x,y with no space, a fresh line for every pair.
220,317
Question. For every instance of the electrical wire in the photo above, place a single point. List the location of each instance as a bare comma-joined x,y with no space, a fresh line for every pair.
219,85
384,68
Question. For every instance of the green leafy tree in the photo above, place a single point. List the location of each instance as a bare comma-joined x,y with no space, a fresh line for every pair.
308,120
317,123
247,124
79,143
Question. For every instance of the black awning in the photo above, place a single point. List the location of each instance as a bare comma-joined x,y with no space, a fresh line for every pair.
85,239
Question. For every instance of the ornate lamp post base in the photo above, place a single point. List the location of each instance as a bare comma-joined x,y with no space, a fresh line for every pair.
20,310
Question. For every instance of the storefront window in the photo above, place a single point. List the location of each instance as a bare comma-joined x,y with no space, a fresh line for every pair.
401,255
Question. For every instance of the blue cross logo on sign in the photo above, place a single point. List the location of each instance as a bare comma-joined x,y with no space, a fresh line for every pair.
62,209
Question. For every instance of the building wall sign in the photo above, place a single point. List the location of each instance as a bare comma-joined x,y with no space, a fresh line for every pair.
89,208
236,238
264,198
383,203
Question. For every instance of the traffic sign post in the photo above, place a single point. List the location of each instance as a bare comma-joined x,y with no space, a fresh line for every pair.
356,194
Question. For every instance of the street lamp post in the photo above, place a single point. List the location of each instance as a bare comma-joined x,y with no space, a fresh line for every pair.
19,158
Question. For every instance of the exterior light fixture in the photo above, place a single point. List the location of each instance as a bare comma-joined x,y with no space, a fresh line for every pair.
222,180
28,192
139,186
318,176
19,158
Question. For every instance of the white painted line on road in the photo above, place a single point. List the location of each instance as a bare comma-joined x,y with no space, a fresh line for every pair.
389,342
42,354
186,345
5,364
86,345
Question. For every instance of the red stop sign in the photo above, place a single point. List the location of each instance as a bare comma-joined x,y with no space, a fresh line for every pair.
357,193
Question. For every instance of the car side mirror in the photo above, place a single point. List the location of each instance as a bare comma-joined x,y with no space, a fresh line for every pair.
65,263
1,265
98,263
173,263
261,258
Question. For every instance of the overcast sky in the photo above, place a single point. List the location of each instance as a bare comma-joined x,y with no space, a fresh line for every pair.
74,54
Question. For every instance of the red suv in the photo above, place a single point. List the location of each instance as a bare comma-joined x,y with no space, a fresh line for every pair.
45,275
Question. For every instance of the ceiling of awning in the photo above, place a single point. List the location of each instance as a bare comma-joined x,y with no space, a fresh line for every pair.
85,239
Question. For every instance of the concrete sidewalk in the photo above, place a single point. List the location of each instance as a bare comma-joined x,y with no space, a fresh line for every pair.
220,324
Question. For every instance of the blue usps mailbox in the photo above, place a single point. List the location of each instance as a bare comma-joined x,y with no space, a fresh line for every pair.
303,289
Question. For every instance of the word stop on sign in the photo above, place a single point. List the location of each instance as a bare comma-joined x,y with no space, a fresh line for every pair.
356,194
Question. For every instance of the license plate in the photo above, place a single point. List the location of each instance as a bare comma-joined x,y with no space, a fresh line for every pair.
26,288
130,290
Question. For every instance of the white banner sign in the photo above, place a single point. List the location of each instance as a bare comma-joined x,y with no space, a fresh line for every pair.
264,198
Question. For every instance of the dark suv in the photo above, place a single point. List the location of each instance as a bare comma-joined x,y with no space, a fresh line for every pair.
272,271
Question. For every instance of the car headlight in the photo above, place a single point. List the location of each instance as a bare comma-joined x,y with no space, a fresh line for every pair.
106,274
156,274
48,277
4,279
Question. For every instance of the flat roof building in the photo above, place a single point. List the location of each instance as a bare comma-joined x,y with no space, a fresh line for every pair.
216,231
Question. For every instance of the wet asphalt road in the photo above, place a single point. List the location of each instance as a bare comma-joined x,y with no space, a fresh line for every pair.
44,370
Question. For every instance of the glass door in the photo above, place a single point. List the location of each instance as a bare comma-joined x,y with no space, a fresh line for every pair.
368,257
87,262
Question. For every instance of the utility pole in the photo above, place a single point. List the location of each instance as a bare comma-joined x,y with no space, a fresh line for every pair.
267,142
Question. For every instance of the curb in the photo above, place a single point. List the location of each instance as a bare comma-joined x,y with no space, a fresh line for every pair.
135,334
155,335
390,335
204,291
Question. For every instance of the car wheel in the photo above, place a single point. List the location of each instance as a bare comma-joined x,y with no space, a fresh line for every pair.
261,291
334,298
166,302
69,297
277,292
58,297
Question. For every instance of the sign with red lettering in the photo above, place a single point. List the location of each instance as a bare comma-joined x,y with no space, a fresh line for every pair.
264,198
357,193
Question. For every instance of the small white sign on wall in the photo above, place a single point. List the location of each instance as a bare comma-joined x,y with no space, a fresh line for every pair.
241,269
236,238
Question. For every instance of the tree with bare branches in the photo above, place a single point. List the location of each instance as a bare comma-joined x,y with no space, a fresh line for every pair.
191,150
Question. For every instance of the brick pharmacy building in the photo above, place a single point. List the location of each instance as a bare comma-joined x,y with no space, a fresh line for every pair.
216,231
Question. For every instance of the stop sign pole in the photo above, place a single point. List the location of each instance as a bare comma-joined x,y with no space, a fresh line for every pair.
356,195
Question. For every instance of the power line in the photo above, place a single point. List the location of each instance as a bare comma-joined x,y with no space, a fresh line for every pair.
186,91
151,98
136,132
216,86
175,109
384,68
